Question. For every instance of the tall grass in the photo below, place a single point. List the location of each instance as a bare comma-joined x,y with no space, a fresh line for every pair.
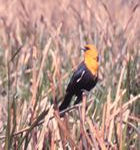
40,48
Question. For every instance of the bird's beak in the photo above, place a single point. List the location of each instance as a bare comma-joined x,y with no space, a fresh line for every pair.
83,49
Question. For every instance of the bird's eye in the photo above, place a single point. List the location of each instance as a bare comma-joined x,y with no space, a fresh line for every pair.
87,48
97,58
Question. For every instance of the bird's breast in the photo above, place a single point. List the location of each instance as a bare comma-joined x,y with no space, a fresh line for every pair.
92,65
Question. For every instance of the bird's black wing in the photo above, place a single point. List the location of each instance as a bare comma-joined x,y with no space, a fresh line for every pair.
73,86
76,77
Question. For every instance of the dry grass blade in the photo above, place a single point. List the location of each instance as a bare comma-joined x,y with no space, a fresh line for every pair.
119,86
65,131
40,71
38,121
46,49
125,106
84,107
96,134
43,131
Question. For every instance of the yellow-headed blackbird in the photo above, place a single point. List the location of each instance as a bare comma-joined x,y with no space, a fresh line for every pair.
84,78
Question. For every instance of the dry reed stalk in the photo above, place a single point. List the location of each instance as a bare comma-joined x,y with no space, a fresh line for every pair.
108,124
53,144
65,131
134,118
40,70
56,132
125,106
84,100
96,134
84,137
119,87
34,79
120,132
104,121
115,104
44,128
38,121
87,136
131,16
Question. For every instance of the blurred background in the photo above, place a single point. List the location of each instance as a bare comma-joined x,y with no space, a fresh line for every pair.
40,44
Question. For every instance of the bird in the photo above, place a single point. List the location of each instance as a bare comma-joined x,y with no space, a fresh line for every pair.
84,78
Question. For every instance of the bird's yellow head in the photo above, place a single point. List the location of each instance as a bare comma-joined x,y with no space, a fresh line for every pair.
91,58
90,51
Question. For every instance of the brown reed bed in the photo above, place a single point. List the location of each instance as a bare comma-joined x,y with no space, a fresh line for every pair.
39,49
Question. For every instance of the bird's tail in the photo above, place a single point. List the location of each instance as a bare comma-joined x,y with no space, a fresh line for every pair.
66,101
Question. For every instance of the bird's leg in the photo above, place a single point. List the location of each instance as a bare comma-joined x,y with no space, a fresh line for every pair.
85,92
79,98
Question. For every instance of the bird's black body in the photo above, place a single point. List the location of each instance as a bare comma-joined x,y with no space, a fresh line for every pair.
82,79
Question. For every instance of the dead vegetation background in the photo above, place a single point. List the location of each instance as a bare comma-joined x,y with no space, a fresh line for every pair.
39,49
